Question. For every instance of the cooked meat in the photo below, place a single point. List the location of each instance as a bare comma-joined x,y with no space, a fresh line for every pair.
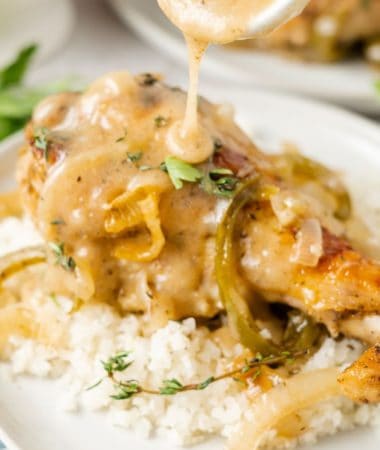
361,381
93,180
328,29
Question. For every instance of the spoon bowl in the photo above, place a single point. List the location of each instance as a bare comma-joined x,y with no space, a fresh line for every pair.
223,21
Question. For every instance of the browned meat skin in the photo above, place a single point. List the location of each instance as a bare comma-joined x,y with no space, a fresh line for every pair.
361,381
86,166
343,285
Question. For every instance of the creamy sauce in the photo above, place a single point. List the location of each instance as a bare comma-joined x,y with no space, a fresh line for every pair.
187,138
90,138
204,22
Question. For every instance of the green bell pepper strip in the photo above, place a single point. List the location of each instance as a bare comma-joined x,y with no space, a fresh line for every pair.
237,308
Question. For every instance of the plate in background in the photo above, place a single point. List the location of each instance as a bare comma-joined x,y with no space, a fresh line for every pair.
29,416
45,22
349,84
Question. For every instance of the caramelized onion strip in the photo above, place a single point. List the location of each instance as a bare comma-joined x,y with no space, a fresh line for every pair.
296,393
136,213
19,260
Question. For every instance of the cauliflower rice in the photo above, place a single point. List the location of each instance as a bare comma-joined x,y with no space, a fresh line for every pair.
179,350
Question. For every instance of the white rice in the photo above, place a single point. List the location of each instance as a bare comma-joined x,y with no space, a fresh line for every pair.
180,351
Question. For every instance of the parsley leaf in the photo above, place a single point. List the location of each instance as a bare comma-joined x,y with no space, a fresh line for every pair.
180,171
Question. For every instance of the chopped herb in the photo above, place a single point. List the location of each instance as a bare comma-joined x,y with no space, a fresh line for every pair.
58,222
180,171
124,390
66,262
134,156
220,181
217,145
161,121
41,141
122,138
148,79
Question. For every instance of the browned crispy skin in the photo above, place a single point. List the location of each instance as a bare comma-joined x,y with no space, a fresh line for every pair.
361,381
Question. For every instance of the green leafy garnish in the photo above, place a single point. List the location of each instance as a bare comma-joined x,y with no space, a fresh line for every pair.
17,101
66,262
171,387
41,141
134,156
161,121
13,73
220,181
125,389
180,171
122,138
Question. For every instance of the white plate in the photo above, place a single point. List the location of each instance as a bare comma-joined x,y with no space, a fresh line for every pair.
350,84
44,22
29,416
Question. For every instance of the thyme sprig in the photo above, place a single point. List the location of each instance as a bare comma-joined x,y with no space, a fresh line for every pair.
126,389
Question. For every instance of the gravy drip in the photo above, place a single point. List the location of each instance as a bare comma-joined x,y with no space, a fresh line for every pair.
203,22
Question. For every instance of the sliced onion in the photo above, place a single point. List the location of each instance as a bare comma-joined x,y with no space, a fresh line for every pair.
19,260
308,247
297,393
288,206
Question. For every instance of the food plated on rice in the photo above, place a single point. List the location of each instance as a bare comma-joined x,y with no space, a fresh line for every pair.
231,296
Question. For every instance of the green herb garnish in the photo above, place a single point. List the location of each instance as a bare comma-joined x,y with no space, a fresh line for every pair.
41,141
66,262
134,156
124,390
17,101
122,138
180,171
13,74
161,121
220,181
58,222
